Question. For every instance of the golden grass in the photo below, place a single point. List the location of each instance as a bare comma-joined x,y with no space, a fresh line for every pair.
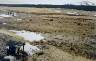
55,54
32,10
58,24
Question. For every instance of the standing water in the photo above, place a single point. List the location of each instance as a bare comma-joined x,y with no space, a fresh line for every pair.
27,35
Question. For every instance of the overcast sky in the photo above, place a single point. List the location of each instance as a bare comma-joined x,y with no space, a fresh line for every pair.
60,2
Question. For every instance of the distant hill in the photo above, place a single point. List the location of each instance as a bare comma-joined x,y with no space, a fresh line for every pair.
68,6
87,3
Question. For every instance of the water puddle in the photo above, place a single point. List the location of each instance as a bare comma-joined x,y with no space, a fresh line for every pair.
27,35
4,15
4,23
72,13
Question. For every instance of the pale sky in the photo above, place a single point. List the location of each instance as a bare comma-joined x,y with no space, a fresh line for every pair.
60,2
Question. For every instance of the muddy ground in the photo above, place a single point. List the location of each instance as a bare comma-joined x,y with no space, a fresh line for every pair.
69,37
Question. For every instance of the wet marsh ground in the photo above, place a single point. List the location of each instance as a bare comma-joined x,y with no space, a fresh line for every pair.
71,36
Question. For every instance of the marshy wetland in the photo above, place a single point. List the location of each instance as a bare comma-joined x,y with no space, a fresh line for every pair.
49,34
